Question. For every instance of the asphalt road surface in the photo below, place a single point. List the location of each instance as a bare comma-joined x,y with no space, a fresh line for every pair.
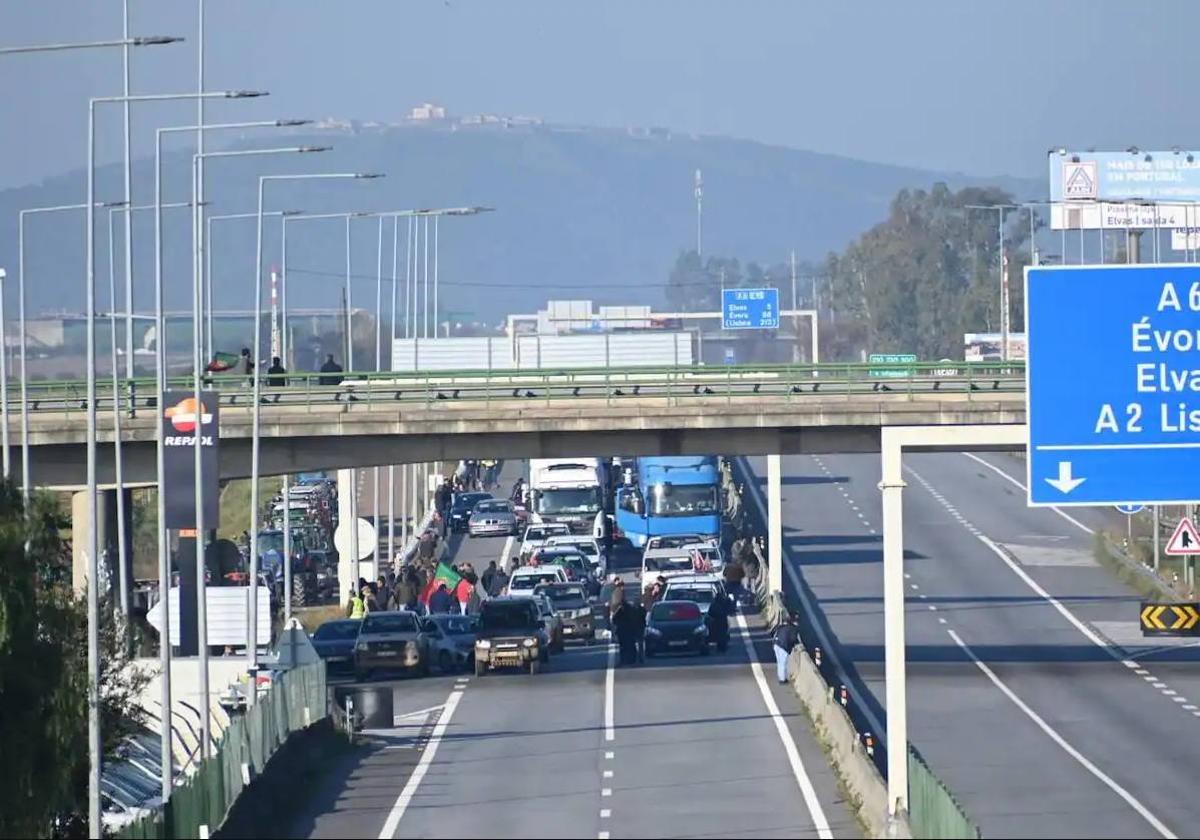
1031,691
683,747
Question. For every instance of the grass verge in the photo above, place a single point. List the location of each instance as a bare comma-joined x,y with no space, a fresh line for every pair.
1132,573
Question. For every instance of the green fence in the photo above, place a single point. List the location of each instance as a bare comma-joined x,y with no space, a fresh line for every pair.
296,700
933,812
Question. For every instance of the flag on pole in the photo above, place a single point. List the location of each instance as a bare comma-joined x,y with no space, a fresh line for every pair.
456,583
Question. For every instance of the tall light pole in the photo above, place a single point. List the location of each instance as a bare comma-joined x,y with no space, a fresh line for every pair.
138,41
92,543
699,192
252,641
1003,260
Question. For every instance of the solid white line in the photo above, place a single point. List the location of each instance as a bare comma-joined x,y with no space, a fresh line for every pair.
609,679
828,649
1062,742
789,744
1012,480
1054,602
414,780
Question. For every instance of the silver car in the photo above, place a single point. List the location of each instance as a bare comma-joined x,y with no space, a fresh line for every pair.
451,640
493,517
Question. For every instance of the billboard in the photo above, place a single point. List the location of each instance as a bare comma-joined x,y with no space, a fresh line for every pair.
180,423
750,309
986,347
1124,176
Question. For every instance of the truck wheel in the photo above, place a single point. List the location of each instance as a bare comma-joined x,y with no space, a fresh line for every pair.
299,591
534,666
480,668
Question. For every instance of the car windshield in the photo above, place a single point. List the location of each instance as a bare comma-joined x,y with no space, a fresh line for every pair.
536,533
498,506
466,501
677,541
569,500
457,625
566,597
389,623
673,563
699,594
270,542
674,611
531,580
335,630
588,548
683,499
498,615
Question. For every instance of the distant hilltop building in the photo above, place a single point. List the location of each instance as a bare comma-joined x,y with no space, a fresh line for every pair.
427,111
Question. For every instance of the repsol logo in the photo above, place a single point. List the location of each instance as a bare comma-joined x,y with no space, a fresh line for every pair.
186,440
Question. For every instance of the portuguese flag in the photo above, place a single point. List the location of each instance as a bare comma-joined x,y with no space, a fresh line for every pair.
222,362
456,583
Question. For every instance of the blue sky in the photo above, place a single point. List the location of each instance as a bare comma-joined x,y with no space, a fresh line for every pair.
966,86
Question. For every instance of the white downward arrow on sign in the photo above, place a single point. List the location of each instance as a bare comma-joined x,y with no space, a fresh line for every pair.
1064,483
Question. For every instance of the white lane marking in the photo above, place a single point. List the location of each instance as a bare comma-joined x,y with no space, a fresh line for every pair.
609,755
1012,480
417,713
829,650
932,608
414,780
1159,685
1062,742
605,813
608,774
606,791
941,620
506,552
789,744
603,835
1178,699
1141,672
609,679
1189,708
1129,663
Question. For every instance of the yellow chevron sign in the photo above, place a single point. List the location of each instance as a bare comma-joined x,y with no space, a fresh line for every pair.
1170,619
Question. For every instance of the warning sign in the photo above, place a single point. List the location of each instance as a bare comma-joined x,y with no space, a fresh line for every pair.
1185,540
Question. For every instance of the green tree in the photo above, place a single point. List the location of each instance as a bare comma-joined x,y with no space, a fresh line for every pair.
43,674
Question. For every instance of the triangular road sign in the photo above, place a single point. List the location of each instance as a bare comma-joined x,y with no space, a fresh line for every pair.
1185,540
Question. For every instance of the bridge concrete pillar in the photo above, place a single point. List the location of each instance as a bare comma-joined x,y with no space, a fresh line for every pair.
106,511
775,523
892,488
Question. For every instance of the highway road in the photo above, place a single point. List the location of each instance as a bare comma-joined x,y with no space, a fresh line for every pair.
677,748
1031,691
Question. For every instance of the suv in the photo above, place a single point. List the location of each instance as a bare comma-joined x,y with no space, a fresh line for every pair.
699,589
571,604
510,634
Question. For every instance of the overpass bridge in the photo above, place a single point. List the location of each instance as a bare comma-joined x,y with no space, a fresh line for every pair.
378,419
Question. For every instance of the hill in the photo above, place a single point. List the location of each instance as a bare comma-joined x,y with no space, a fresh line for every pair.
591,213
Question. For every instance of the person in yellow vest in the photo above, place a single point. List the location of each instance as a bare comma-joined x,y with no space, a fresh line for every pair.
355,607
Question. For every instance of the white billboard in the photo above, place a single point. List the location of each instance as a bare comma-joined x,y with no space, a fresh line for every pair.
1108,215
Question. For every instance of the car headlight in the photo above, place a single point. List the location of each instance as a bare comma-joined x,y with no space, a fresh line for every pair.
701,630
361,646
653,631
483,644
530,643
410,646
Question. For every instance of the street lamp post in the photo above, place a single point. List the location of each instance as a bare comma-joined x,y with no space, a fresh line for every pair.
252,641
138,41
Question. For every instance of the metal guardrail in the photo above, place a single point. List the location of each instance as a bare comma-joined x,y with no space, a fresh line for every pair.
674,385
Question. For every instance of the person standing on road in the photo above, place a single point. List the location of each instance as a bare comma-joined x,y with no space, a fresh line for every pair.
489,574
441,601
785,638
355,608
499,583
639,632
246,364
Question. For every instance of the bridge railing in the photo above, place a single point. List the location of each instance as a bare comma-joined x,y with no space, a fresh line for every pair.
366,390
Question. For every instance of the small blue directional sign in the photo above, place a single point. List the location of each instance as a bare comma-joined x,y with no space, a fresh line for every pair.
749,309
1130,510
1113,384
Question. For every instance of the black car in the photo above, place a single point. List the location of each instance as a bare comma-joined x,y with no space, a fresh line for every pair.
461,505
334,641
676,627
510,635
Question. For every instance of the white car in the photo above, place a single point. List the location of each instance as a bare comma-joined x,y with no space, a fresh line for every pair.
667,563
701,589
675,540
590,548
527,578
537,534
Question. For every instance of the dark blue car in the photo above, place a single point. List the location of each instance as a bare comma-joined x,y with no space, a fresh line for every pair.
334,641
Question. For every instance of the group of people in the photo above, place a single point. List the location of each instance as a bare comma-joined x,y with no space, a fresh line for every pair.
276,376
628,622
403,590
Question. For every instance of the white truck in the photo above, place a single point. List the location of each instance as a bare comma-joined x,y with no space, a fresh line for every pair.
572,491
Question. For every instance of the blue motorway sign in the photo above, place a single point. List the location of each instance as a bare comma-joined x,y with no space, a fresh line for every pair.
749,309
1130,510
1125,176
1113,384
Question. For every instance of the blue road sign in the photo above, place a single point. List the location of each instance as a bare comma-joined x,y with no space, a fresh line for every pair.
1130,510
749,309
730,356
1113,384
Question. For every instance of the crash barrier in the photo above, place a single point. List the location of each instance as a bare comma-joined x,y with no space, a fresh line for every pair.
932,809
197,807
